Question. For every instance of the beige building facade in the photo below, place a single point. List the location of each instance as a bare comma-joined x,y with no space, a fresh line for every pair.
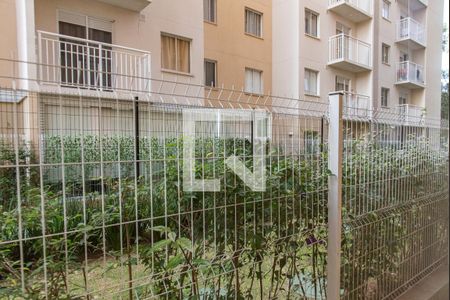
238,44
382,54
103,48
164,35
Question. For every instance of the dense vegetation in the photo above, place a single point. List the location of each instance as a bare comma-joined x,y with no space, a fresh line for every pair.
163,241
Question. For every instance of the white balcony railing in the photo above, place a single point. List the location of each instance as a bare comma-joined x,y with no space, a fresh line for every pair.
411,113
410,72
363,5
345,48
410,29
74,62
356,105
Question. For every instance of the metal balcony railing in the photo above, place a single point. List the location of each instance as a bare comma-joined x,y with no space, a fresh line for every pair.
410,29
408,71
356,105
411,113
75,62
362,5
346,48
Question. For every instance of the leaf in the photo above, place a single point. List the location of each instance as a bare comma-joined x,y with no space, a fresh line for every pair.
185,244
172,236
159,245
175,261
201,262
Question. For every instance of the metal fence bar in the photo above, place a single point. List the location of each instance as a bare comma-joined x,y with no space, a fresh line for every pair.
335,144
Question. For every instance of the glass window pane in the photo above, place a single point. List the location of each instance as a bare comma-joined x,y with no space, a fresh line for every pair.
183,51
168,56
210,73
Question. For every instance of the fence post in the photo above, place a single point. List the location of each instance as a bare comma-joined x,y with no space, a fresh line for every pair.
335,149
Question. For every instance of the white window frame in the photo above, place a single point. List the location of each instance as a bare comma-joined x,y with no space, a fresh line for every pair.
403,96
177,37
206,12
309,12
385,47
385,100
215,73
84,20
250,89
249,10
344,81
386,10
307,78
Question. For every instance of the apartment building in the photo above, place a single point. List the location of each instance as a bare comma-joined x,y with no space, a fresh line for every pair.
238,45
383,54
103,48
162,38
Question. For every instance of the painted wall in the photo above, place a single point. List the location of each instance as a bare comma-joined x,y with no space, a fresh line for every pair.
227,43
140,30
8,44
294,50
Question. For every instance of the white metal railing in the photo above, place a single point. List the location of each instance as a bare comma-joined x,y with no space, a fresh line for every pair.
408,71
409,28
356,105
411,113
344,47
77,62
363,5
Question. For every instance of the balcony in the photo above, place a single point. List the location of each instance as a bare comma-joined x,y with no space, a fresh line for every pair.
414,5
349,54
411,33
356,106
133,5
411,114
353,10
410,75
71,62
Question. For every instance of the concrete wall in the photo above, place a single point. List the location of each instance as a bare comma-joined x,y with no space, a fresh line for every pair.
227,43
8,45
139,30
293,51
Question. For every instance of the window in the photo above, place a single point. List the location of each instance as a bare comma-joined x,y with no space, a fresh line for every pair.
253,22
342,29
312,142
311,82
253,81
342,84
385,10
385,49
402,100
209,10
384,97
311,23
175,53
80,66
210,73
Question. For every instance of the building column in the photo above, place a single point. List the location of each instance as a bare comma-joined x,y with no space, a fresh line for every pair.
26,65
26,43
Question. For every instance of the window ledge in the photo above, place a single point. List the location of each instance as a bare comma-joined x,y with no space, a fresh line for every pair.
255,36
177,72
312,95
210,22
212,88
312,36
254,94
386,64
387,20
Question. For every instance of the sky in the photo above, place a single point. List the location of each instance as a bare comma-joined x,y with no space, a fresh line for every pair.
445,59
